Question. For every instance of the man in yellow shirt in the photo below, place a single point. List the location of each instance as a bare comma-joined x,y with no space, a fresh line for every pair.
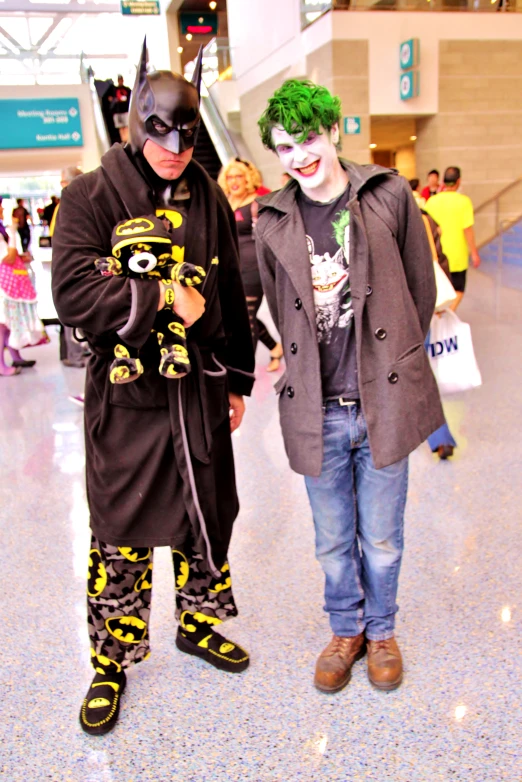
453,211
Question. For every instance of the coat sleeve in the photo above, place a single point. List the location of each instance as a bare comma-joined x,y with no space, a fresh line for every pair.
416,256
239,352
83,297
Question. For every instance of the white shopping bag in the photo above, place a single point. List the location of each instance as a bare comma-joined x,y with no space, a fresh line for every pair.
451,355
445,291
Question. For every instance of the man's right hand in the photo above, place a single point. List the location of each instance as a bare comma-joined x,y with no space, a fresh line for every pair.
189,304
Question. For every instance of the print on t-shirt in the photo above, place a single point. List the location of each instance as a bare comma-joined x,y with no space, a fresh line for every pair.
331,281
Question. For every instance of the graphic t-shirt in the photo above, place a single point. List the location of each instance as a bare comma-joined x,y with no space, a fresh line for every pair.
327,228
120,104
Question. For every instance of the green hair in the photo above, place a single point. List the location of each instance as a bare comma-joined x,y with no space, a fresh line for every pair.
300,107
340,225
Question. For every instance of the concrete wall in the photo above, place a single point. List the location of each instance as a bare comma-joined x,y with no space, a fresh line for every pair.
479,123
469,111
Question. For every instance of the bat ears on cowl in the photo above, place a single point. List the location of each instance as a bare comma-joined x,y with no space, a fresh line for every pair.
198,70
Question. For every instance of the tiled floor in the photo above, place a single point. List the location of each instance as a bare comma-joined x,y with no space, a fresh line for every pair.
457,715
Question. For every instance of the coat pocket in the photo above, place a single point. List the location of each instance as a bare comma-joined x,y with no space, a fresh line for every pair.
281,383
148,392
216,387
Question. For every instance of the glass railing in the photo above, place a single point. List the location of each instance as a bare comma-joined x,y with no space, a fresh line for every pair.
498,213
313,9
217,65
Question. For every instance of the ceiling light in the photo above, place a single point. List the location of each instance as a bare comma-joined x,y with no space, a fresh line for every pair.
189,36
373,146
213,4
413,138
460,712
180,49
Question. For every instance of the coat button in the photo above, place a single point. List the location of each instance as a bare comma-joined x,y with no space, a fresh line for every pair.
380,334
293,348
392,378
298,304
369,290
290,392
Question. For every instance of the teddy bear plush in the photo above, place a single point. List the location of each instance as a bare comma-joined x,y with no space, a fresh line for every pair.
142,249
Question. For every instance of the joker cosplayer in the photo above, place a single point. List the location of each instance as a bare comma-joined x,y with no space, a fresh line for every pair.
159,462
348,275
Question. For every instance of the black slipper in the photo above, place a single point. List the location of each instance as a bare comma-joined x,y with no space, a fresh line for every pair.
210,646
101,706
24,364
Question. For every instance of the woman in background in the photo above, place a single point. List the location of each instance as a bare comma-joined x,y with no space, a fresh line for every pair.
20,325
240,180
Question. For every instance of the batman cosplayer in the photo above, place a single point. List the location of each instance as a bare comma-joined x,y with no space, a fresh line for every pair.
159,462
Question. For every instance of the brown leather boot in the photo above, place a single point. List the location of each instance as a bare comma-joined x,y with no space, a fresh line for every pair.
334,664
384,664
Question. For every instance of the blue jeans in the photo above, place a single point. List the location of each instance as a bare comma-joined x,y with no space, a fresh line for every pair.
359,520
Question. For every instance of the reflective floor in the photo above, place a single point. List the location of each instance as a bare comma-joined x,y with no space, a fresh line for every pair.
457,714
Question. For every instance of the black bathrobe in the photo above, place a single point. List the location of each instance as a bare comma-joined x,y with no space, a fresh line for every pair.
159,460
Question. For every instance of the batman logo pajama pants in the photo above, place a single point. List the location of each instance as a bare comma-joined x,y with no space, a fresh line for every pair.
119,592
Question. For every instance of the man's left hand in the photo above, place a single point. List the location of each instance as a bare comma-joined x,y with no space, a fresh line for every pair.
237,411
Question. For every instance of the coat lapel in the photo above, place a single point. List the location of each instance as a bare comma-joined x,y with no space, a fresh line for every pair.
288,244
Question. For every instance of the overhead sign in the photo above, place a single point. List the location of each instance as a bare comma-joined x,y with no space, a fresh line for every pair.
410,85
409,54
140,7
40,122
198,24
352,126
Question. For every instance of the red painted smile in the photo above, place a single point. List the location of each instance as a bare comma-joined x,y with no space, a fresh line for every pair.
309,170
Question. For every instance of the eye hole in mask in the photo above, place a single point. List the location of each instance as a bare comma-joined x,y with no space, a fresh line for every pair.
141,263
160,127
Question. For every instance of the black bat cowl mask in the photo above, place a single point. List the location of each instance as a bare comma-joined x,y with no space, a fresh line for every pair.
164,108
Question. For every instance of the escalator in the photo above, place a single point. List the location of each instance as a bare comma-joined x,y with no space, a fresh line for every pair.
214,147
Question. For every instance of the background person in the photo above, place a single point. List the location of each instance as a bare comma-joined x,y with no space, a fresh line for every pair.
419,200
23,218
120,102
72,352
453,212
240,181
49,210
433,187
20,325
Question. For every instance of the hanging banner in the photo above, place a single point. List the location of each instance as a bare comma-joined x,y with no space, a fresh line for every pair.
40,122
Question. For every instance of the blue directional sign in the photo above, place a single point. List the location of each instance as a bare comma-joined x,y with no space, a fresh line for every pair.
409,54
409,85
40,122
352,126
140,7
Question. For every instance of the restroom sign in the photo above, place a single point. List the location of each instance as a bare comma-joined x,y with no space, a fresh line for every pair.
352,126
409,54
410,85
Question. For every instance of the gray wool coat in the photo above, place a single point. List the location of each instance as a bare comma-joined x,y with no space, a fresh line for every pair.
393,297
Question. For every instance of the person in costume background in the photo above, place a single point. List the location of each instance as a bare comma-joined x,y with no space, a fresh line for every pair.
20,325
240,182
159,460
347,271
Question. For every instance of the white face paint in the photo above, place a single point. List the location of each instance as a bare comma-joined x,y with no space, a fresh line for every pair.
313,163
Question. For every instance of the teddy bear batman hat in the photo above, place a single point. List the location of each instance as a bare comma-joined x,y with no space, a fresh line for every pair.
164,107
